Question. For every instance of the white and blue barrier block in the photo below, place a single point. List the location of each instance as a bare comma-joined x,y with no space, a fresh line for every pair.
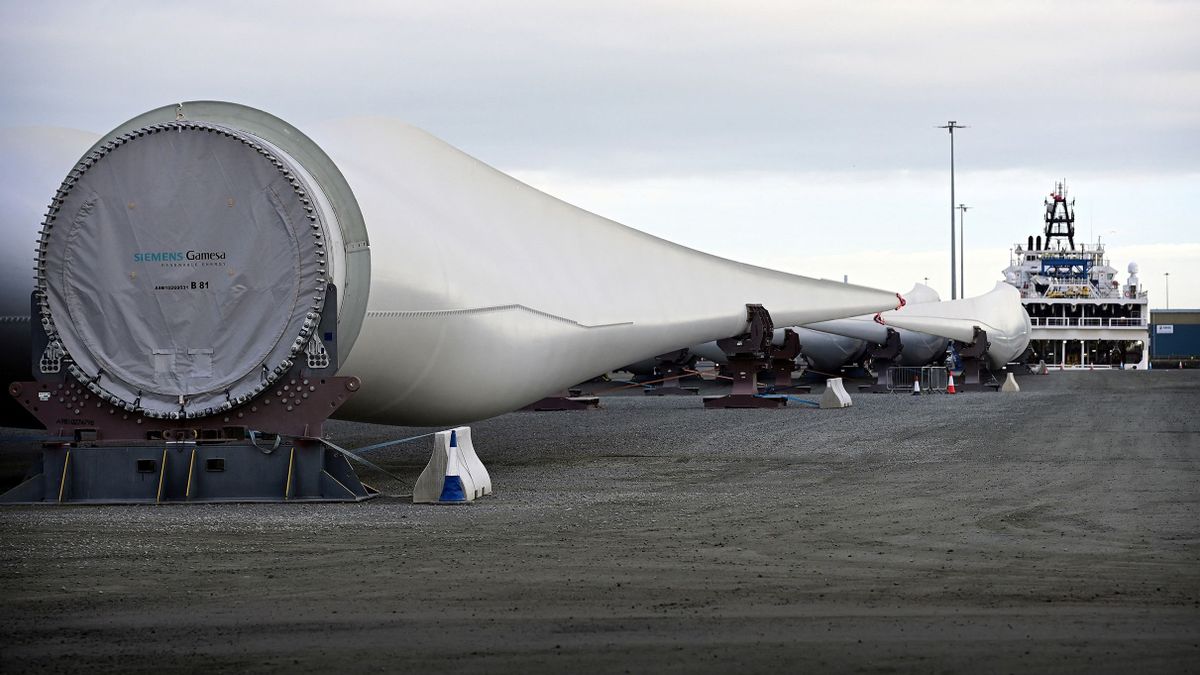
454,474
835,395
472,463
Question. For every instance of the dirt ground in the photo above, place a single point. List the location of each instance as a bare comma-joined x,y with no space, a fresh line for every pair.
1057,529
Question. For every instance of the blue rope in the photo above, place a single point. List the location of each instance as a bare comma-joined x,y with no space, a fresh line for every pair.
789,397
385,444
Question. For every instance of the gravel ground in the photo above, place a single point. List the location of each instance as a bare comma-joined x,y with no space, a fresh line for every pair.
1053,530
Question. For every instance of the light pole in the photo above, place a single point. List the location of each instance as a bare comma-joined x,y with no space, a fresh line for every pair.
951,126
1167,277
962,249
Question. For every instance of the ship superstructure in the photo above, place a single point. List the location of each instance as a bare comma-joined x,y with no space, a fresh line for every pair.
1081,315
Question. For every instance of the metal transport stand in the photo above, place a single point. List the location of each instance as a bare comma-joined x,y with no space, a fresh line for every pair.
783,362
267,449
671,368
973,357
748,354
883,359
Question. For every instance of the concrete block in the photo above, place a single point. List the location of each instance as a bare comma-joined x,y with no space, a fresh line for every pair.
1010,384
835,395
446,478
474,466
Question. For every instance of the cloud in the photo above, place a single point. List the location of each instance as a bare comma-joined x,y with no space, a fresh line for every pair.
743,129
649,88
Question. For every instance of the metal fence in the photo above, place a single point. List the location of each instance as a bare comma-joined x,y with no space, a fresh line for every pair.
1086,322
932,378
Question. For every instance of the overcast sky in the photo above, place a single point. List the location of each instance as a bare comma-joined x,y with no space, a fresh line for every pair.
795,135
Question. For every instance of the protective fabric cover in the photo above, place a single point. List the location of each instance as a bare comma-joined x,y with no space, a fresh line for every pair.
32,159
182,269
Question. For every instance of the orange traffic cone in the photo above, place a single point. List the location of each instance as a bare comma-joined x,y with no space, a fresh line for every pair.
950,388
916,387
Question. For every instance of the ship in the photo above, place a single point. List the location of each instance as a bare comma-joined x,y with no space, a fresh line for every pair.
1081,315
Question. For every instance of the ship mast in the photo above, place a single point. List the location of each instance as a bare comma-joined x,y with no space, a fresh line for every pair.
1060,216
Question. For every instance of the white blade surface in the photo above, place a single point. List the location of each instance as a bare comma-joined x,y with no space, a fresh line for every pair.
487,294
999,312
865,327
